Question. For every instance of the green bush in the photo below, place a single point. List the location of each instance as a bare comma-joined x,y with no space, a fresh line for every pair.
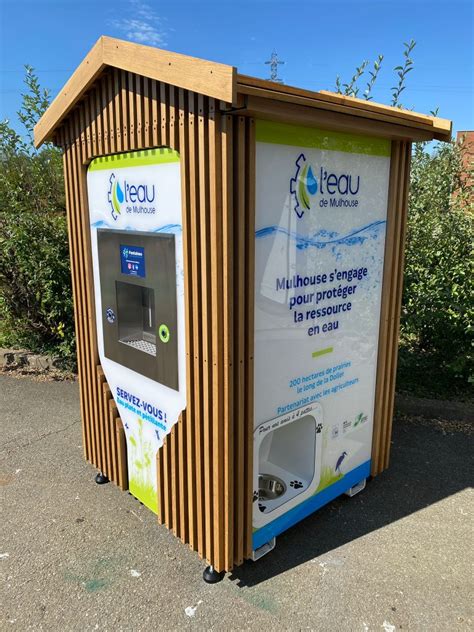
437,310
36,309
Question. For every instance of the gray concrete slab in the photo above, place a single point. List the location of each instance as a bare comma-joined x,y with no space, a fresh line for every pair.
76,556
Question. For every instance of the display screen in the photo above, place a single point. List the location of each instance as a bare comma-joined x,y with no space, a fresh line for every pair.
132,260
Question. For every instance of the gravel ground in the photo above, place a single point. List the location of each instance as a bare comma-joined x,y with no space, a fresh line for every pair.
76,556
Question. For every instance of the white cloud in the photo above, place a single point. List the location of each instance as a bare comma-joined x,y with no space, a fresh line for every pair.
143,25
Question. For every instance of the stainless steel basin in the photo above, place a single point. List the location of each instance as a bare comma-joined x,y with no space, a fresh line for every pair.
270,487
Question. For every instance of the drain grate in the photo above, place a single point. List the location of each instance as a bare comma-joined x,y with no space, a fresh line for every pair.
141,345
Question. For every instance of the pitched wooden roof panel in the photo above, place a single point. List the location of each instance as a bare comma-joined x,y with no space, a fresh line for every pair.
218,81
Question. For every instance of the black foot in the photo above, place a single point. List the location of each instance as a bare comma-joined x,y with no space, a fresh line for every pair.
101,479
211,576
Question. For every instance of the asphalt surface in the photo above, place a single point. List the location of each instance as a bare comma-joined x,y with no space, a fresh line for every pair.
76,556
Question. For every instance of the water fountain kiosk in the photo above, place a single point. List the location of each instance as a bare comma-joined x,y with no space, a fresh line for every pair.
237,263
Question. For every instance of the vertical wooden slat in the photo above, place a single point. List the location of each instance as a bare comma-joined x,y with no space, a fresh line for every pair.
102,419
172,441
131,113
106,395
121,455
87,122
155,114
186,512
111,112
113,412
195,479
207,318
139,111
105,114
164,114
175,473
160,486
228,324
217,336
81,134
173,116
95,94
239,341
167,513
124,111
249,328
92,115
117,111
147,128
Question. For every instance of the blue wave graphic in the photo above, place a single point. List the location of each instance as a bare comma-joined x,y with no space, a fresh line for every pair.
324,237
166,228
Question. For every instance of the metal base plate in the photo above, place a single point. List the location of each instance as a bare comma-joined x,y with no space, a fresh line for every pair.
352,491
263,550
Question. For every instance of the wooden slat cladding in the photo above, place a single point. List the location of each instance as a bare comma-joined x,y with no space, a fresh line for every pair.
205,467
197,477
103,437
391,304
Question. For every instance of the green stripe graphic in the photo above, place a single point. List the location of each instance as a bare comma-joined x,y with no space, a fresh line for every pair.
299,136
135,159
321,352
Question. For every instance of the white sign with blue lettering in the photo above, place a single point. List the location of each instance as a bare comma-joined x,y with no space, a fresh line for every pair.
140,191
321,211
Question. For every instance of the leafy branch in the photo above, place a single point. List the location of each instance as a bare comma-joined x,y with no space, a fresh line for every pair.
351,89
373,77
35,102
402,72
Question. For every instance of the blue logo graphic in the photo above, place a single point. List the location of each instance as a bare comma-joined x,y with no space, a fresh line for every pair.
110,315
337,190
133,195
115,196
303,185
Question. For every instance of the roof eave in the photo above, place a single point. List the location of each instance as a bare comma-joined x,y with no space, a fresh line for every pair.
220,82
209,78
422,125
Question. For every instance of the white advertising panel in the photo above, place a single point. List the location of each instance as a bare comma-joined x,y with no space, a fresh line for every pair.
139,191
321,211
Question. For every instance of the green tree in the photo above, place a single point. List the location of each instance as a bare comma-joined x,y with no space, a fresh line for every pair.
36,308
437,308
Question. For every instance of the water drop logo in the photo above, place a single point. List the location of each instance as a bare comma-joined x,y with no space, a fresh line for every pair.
303,185
115,196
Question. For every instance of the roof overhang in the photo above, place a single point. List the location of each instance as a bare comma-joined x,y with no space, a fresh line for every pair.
221,82
201,76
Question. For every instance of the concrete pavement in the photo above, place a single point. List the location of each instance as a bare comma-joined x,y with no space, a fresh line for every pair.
76,556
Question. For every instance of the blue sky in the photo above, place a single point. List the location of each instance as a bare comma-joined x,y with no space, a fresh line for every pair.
317,40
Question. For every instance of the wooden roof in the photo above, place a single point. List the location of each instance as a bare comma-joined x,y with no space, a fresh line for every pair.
223,83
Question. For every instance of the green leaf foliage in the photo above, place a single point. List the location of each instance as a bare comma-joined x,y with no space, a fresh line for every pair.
36,309
437,309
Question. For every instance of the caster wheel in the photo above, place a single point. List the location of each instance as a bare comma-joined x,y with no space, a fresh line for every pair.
211,576
101,479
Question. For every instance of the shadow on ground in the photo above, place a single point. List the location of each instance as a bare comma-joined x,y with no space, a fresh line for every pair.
428,464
